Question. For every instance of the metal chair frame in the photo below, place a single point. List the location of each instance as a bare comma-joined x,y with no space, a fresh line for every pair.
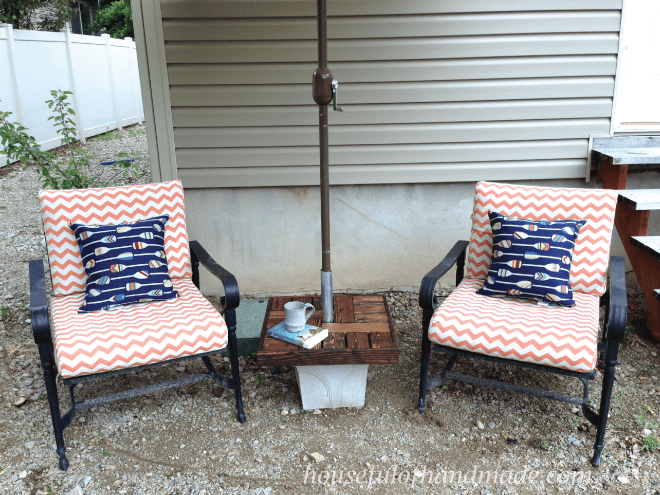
42,337
616,312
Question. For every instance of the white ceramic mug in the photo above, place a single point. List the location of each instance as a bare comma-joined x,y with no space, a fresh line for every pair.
295,317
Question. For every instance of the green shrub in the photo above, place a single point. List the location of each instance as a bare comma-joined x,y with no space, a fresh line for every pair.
116,19
74,173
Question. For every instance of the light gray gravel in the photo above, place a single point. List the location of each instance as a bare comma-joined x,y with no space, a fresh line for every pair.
187,440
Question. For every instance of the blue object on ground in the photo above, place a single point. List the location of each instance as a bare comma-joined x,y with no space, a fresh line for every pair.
114,161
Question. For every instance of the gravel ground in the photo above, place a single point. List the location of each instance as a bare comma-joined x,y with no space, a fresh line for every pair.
187,440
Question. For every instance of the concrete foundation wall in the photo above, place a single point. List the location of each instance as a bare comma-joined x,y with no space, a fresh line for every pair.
382,236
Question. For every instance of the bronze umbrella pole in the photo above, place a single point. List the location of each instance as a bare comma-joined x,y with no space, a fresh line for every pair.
322,94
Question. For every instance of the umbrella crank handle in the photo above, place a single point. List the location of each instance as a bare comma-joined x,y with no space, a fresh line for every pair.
335,85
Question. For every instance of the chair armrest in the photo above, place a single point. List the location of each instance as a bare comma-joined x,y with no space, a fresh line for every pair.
427,287
232,297
618,303
39,303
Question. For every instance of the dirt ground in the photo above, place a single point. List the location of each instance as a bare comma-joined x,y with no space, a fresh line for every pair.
187,440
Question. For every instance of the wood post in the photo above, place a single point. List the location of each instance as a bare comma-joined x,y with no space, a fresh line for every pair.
612,176
630,223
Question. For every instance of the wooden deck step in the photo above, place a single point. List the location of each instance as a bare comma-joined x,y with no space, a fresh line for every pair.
630,156
627,150
650,244
640,199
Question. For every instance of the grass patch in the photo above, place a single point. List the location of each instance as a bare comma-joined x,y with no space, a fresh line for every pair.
108,136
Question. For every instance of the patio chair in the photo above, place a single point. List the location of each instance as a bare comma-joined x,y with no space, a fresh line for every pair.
89,345
534,333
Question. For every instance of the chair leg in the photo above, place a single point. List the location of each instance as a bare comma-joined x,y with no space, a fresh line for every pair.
46,355
230,318
606,396
426,356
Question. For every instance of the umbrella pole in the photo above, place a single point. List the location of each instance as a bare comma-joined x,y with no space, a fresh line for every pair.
322,92
326,272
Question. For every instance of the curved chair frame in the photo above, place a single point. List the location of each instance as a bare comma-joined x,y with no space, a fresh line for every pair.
616,312
42,337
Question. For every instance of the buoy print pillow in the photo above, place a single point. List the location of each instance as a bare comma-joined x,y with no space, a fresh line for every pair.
531,259
125,264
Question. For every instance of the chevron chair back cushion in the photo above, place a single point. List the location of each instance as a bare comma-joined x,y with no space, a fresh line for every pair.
114,205
592,248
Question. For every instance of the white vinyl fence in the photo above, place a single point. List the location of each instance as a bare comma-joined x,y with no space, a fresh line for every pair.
101,72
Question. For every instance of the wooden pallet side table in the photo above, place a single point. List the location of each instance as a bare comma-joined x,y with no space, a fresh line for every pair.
334,373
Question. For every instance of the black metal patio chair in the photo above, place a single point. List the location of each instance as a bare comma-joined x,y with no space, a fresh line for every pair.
79,345
508,309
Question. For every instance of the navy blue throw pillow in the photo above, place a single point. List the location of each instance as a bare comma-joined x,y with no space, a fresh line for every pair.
125,264
531,259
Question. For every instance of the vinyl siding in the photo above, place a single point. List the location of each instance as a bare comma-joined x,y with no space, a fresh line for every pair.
433,90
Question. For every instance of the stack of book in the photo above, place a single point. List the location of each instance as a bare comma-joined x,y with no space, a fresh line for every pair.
306,338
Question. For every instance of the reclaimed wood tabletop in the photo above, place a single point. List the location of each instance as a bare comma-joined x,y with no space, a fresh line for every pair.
363,333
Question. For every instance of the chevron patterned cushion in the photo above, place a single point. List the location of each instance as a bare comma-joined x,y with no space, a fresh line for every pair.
88,343
591,254
110,206
531,260
517,329
125,264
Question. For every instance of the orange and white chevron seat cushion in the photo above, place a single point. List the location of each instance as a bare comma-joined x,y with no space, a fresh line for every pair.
110,206
591,253
518,329
88,343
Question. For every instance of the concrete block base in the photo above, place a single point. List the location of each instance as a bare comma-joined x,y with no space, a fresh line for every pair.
332,386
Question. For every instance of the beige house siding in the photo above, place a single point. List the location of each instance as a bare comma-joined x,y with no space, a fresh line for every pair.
433,90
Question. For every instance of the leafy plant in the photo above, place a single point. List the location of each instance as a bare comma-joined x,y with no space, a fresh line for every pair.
134,133
640,417
629,330
21,14
544,445
4,312
74,172
105,452
116,19
651,443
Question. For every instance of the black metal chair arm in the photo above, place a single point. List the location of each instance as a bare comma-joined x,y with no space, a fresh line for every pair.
427,288
232,297
39,303
618,303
